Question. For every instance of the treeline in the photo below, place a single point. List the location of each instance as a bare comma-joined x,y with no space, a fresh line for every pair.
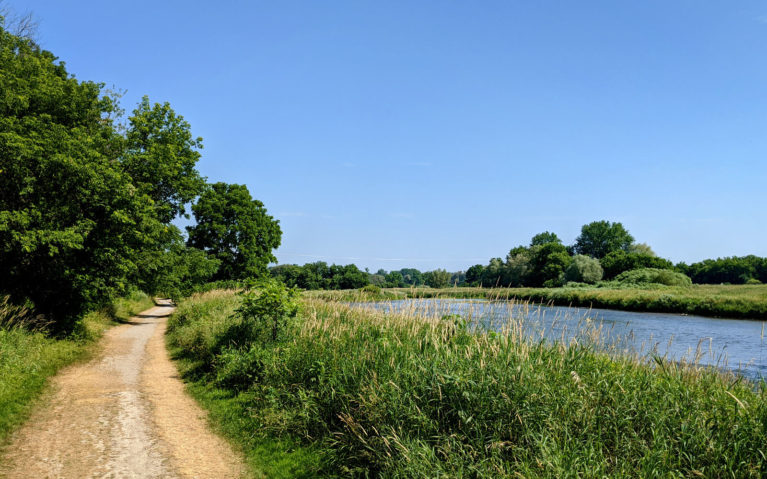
603,251
87,197
320,275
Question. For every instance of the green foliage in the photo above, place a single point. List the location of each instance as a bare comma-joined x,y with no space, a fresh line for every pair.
518,266
584,269
616,262
268,308
653,275
71,221
177,271
599,238
474,275
319,275
641,248
235,229
161,156
544,238
439,278
547,265
412,276
371,288
394,280
733,270
380,395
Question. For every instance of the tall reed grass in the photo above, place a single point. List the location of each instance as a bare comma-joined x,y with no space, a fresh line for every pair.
726,301
387,394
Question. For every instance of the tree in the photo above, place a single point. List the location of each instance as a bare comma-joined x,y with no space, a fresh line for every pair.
236,230
617,262
599,238
411,276
543,238
160,156
548,264
439,278
71,221
642,248
494,274
584,269
474,275
395,280
287,274
518,265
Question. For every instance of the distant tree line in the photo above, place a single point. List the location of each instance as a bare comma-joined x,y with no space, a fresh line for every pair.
87,197
603,251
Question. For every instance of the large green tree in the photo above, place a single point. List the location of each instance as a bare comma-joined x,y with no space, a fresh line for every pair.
235,229
71,220
548,264
160,155
599,238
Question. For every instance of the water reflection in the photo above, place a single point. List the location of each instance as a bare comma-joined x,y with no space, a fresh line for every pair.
733,344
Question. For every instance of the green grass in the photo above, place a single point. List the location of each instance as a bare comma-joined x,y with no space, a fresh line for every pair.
725,301
29,358
365,394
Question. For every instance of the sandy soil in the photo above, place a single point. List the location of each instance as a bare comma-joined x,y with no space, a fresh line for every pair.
124,414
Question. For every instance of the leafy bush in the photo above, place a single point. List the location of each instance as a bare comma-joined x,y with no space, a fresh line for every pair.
583,269
371,288
619,261
268,309
653,275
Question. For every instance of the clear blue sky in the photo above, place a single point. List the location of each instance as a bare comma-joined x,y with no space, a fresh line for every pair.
443,133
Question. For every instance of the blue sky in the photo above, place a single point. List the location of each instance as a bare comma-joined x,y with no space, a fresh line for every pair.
442,133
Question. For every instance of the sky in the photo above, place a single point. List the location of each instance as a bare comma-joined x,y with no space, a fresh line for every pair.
439,134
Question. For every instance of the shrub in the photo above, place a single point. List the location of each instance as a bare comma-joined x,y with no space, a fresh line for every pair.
753,281
653,275
584,269
268,309
371,288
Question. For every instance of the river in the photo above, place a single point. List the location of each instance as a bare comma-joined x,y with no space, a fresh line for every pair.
734,344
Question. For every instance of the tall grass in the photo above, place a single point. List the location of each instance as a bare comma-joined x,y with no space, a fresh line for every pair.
375,394
29,356
726,301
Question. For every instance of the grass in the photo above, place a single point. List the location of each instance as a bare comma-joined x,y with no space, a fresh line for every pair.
28,358
725,301
360,393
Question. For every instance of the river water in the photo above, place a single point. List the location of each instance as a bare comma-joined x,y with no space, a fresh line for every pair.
734,344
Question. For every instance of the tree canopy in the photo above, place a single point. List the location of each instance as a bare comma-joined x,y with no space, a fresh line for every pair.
235,229
599,238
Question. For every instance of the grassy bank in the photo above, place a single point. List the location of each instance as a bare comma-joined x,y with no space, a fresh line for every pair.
29,358
724,301
363,394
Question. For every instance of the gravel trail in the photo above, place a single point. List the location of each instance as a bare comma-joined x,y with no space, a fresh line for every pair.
124,414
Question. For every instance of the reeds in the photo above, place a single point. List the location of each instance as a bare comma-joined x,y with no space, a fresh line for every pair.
416,393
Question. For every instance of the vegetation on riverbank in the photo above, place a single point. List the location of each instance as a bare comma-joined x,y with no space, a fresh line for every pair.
726,301
368,394
29,356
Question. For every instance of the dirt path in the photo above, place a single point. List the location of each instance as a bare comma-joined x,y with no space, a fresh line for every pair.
124,414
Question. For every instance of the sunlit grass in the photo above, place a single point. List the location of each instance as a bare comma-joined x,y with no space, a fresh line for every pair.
728,301
370,393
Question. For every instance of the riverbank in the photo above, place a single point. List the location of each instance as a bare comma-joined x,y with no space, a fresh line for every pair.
722,301
30,358
352,392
